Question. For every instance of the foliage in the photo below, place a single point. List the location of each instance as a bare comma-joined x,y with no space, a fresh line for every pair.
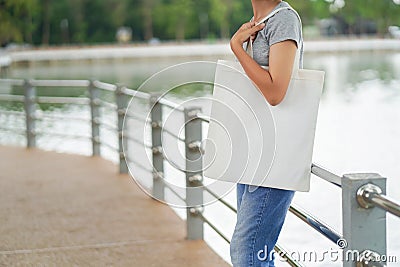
55,22
18,20
383,12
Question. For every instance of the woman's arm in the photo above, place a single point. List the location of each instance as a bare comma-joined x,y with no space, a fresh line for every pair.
274,82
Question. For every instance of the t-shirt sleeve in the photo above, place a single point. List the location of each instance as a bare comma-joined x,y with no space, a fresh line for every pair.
283,26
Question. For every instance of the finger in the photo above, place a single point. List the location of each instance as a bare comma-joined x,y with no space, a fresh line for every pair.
254,30
248,25
257,28
261,26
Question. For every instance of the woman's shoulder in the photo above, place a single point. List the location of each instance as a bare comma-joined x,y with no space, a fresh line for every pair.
285,16
284,25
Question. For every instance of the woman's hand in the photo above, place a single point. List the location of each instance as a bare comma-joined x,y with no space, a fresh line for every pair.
244,33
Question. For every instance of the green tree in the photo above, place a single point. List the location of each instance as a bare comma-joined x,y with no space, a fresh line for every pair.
93,21
312,9
242,11
17,20
134,19
220,13
147,13
383,12
176,19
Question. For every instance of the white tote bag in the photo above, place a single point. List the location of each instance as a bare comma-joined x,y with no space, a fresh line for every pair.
251,142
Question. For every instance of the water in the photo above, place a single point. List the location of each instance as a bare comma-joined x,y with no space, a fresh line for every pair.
358,130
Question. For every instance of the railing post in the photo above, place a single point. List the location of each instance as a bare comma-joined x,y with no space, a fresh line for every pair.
363,229
30,112
194,174
158,158
122,103
94,94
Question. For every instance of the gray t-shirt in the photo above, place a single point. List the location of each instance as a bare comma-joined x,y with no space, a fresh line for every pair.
284,25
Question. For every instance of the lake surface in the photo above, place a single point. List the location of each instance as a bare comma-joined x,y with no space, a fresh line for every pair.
358,130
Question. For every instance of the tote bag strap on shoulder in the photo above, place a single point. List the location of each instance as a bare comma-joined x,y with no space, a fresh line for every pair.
249,46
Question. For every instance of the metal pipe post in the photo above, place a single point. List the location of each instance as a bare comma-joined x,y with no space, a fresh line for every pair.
194,174
30,112
158,158
122,103
364,229
94,94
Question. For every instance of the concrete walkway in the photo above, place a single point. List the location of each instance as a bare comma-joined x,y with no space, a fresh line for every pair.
68,210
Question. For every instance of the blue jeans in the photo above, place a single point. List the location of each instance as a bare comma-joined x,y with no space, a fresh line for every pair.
261,214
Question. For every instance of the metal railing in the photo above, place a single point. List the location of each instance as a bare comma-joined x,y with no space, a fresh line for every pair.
364,203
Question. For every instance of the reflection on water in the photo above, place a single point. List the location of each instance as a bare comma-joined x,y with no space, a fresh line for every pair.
358,130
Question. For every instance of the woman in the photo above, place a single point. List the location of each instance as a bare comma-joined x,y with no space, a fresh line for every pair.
262,210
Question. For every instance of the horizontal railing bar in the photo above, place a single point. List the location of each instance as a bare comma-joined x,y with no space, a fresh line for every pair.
14,130
63,100
203,117
14,98
326,175
385,203
321,227
220,199
61,117
59,83
12,113
284,254
15,82
213,227
71,136
105,86
139,142
167,103
107,104
107,125
172,134
137,164
137,118
109,146
167,185
62,135
135,93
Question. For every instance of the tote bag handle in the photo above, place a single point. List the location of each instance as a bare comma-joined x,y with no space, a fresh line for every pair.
249,45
